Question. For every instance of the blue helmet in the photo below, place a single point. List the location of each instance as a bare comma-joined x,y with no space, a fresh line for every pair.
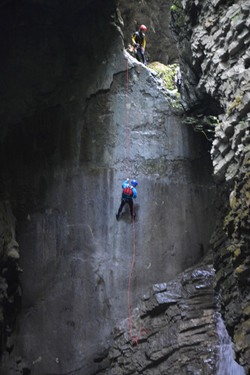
134,183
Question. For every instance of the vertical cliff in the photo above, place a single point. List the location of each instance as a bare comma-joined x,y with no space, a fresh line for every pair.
78,116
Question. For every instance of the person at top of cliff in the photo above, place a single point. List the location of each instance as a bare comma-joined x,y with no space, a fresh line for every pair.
178,79
129,193
139,43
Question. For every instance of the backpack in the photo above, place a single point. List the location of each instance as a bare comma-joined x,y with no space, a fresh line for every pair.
127,191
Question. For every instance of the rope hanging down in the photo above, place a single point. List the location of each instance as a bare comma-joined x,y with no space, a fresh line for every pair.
132,265
133,337
127,148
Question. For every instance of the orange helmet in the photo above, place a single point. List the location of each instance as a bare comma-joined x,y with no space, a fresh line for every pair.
143,28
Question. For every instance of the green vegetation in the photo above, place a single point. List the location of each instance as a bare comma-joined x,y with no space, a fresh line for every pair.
237,222
237,252
177,13
203,124
166,72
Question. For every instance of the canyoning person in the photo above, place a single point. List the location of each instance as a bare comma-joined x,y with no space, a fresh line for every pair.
129,193
139,43
178,79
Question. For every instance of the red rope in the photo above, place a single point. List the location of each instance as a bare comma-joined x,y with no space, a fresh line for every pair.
132,266
127,123
133,337
143,331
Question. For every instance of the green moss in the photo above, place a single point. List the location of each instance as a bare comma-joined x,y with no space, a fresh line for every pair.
230,248
166,72
177,12
248,198
228,220
237,252
203,124
239,270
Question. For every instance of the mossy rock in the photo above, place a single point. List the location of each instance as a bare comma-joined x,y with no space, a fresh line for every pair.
178,13
242,272
237,252
166,72
241,337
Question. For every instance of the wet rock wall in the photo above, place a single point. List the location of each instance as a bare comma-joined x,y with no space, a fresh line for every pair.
10,289
66,147
218,40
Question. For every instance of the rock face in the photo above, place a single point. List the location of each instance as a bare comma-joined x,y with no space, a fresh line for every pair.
79,116
217,42
172,332
10,291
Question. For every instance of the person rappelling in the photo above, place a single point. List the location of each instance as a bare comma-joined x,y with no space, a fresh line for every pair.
129,193
139,43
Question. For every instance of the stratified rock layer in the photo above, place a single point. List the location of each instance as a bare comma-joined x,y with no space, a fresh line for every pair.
172,332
